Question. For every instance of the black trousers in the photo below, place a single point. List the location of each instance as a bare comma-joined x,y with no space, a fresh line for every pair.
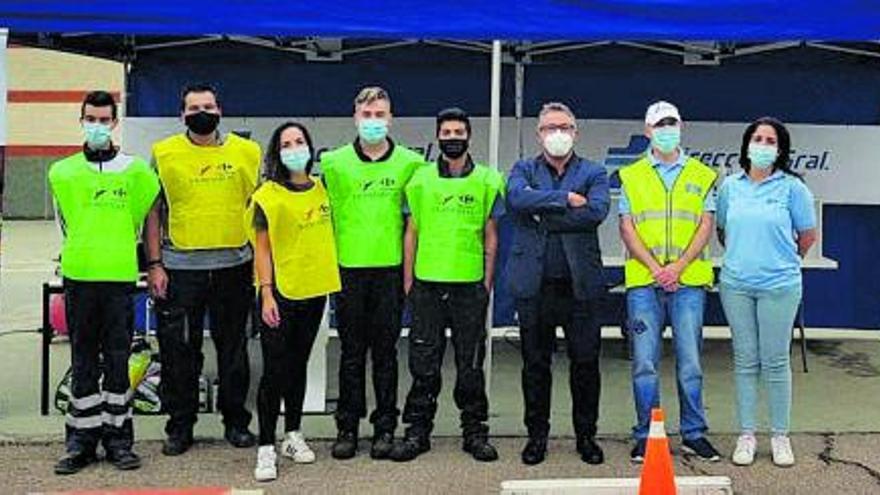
286,351
368,314
462,308
538,318
100,322
227,295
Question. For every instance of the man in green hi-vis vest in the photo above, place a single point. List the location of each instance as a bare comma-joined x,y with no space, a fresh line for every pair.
365,182
102,197
449,259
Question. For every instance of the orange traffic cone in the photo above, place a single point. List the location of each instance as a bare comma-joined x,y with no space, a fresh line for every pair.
658,477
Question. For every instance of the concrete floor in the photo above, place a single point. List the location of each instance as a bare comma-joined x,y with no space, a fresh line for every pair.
836,416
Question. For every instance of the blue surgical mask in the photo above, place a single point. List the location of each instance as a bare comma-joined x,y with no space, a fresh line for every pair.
97,135
762,156
666,139
296,159
373,131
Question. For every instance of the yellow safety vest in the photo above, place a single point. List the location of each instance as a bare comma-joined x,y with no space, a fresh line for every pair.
207,189
301,239
666,221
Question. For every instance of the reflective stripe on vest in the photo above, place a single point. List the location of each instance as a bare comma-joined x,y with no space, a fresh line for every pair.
666,221
367,201
301,239
450,216
207,189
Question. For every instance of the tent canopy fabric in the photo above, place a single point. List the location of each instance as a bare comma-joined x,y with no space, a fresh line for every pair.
844,20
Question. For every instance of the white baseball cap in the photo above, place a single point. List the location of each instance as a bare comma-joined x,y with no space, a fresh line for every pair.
659,111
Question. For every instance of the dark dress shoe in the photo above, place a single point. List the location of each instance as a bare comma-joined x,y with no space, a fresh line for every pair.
590,451
535,451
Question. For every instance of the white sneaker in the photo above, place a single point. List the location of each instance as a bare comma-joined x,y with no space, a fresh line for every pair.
744,454
782,454
267,463
296,448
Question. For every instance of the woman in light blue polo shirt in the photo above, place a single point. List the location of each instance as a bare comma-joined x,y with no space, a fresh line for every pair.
766,220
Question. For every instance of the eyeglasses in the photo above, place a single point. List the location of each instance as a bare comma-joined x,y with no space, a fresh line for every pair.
557,127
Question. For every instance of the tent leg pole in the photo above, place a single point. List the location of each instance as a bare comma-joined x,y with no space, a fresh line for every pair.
494,149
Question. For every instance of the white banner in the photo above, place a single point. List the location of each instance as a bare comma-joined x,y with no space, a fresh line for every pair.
837,161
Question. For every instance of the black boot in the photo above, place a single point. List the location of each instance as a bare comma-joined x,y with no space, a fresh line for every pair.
240,437
479,448
74,462
177,444
346,445
410,448
383,443
124,459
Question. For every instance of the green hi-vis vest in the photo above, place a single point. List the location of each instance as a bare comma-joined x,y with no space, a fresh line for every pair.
102,213
367,200
450,215
666,221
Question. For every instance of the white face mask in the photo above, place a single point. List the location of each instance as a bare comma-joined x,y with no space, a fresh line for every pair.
558,144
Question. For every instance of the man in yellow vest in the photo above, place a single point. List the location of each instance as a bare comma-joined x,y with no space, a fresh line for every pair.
200,260
365,181
449,264
102,197
666,219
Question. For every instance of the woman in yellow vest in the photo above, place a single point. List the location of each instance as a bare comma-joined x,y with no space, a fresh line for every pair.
295,260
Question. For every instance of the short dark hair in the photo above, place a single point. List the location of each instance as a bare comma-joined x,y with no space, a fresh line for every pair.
98,99
275,170
201,87
783,143
453,114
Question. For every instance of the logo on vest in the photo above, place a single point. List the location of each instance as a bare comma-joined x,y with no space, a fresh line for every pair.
114,197
214,173
692,188
378,187
459,204
317,216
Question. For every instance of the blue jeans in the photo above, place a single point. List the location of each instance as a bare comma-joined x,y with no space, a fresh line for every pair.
647,310
760,323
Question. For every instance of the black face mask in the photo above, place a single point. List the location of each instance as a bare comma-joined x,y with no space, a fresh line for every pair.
454,148
202,123
100,155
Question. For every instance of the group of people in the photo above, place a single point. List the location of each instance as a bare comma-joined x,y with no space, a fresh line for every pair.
381,226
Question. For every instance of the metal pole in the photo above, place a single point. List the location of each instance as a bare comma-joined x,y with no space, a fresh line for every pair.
520,84
495,110
494,150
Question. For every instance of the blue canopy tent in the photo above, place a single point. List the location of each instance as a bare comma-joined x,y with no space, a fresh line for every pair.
699,32
459,19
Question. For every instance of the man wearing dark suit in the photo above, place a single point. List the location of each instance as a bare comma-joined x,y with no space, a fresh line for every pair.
558,200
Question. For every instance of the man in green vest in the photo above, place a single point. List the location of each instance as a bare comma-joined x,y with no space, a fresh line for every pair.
365,181
449,259
102,197
666,219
